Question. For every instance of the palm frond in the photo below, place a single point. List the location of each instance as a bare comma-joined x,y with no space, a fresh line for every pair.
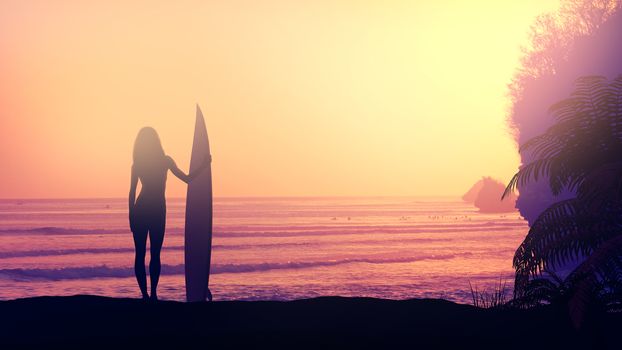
568,148
603,264
582,153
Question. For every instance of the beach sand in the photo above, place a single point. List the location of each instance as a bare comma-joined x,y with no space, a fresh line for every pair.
92,321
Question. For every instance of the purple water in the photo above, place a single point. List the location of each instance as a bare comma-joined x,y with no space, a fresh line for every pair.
266,248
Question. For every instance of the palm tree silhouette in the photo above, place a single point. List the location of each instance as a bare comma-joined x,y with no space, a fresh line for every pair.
581,152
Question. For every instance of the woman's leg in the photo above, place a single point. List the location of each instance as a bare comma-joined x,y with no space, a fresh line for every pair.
156,238
140,245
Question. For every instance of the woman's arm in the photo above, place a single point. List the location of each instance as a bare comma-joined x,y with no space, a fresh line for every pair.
187,178
132,199
133,184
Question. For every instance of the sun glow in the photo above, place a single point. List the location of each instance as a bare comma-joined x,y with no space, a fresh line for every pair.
313,98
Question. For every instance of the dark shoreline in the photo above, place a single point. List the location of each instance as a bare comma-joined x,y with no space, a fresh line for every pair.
93,321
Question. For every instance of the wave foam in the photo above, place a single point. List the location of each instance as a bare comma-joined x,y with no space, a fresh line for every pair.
288,231
103,271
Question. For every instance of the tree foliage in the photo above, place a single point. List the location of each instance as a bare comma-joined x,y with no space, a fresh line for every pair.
582,152
552,36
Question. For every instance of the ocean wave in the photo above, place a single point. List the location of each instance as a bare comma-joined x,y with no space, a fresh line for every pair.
368,230
285,231
103,271
51,230
352,225
57,252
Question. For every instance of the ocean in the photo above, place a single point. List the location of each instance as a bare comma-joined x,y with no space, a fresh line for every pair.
266,248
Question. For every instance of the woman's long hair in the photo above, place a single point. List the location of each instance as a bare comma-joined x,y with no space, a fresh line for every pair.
148,151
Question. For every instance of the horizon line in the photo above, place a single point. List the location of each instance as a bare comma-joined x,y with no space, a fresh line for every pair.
245,197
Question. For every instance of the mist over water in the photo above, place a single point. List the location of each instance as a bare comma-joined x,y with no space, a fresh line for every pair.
266,248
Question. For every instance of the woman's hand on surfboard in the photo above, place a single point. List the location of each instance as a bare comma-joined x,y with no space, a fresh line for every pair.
187,178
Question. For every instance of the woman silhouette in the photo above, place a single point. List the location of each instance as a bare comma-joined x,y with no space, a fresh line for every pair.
148,213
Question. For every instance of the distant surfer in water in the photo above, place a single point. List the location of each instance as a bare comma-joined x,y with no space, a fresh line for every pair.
148,212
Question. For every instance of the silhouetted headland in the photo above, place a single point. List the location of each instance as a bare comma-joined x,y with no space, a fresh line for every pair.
486,194
91,321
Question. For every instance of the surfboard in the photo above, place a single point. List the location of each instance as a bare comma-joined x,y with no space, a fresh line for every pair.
198,228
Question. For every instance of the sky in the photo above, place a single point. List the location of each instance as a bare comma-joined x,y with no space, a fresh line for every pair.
301,98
